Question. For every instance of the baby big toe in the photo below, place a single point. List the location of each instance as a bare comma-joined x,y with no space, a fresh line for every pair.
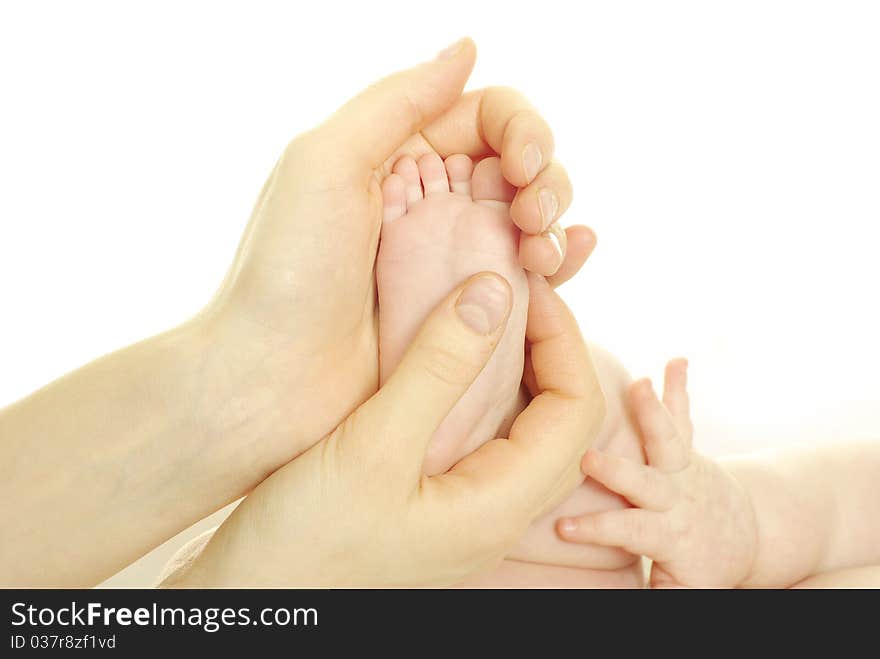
488,184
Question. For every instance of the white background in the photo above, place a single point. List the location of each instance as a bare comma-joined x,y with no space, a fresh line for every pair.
727,154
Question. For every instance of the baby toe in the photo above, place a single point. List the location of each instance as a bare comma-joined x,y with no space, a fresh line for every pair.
433,174
393,198
459,169
488,184
407,168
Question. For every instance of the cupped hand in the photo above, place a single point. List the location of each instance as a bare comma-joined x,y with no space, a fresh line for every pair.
356,508
296,317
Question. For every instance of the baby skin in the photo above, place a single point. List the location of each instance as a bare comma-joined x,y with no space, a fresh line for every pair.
444,222
803,516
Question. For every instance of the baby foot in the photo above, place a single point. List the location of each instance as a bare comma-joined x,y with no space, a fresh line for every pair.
444,222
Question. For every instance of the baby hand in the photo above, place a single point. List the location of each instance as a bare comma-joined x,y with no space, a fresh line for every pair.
690,516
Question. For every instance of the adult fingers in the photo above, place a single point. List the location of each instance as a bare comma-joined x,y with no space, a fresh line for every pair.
543,201
372,125
581,243
515,480
495,120
542,254
545,253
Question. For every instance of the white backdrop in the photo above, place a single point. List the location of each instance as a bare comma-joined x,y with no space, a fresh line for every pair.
727,154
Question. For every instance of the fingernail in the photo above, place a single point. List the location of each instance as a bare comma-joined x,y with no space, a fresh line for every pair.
451,51
549,205
483,305
557,238
567,526
532,160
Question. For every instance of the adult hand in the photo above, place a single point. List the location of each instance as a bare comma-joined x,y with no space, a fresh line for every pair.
296,317
356,509
140,444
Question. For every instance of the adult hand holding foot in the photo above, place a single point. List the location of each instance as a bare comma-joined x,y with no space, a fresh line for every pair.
356,508
138,445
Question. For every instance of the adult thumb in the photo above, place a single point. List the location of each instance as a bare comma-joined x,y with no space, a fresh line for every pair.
376,122
449,352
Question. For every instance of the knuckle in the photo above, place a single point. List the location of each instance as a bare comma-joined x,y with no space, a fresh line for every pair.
310,157
675,489
566,194
506,92
541,130
524,117
338,448
653,483
677,531
297,148
446,365
526,122
637,527
561,181
415,113
669,437
681,454
609,466
360,451
598,525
